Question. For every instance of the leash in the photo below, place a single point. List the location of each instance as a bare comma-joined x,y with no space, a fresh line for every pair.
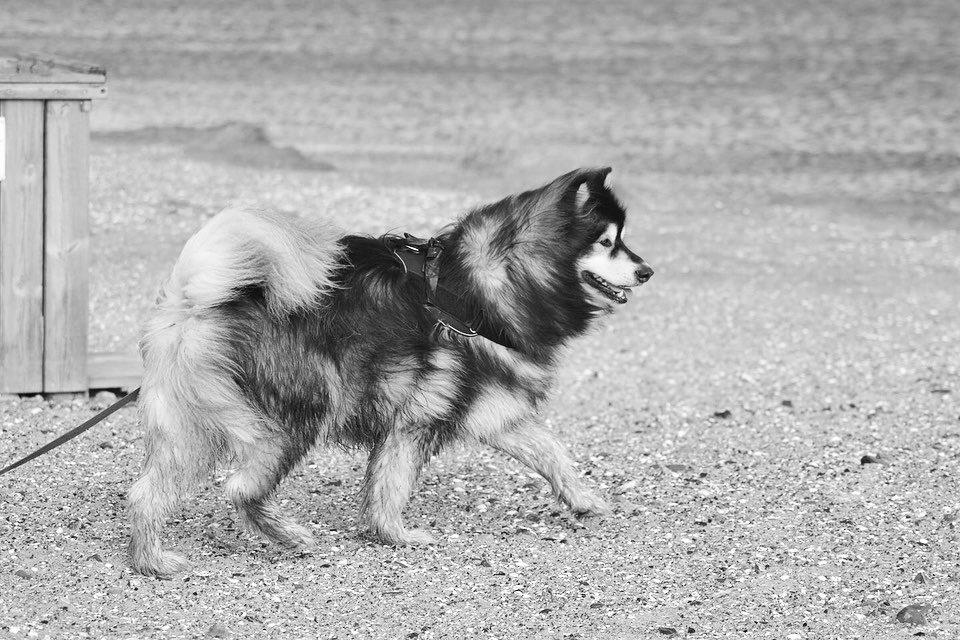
73,433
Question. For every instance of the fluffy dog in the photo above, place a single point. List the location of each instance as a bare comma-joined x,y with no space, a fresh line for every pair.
274,333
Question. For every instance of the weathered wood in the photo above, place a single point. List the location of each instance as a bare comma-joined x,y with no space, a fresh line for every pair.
114,371
66,246
44,233
37,77
21,249
35,67
39,91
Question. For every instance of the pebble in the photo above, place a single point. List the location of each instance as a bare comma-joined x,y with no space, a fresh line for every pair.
626,486
922,579
23,573
217,630
105,397
723,415
667,631
914,614
869,459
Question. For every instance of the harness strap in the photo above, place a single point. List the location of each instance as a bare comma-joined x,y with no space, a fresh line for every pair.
421,256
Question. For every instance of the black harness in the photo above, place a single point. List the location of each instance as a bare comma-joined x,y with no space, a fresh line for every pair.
421,257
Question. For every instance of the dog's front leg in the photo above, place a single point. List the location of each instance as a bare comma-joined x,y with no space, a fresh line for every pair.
392,472
534,446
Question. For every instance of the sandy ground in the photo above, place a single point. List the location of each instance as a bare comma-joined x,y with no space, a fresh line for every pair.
792,173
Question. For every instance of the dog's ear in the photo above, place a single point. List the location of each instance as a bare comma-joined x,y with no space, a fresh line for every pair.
570,191
588,182
600,178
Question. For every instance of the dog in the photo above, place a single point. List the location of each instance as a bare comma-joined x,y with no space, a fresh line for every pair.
274,333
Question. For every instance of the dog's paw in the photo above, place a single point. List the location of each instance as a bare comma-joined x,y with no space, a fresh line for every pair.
402,536
418,536
305,548
299,538
162,565
590,506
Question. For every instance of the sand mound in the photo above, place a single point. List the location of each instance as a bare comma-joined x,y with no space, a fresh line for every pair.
237,143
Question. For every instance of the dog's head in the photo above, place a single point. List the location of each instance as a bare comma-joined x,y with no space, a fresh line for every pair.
607,267
542,263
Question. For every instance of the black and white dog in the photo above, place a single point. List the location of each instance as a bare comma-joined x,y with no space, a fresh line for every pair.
274,333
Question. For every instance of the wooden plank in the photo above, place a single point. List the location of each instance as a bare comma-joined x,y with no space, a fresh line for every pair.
21,250
114,370
41,91
35,67
66,245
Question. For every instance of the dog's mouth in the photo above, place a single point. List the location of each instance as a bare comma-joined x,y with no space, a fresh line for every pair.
612,291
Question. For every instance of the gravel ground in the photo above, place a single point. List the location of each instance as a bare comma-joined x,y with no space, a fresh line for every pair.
792,172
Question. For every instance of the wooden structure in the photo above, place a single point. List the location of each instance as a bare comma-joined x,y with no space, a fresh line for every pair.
44,230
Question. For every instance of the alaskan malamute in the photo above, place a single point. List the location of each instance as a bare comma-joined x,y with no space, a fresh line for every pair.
274,333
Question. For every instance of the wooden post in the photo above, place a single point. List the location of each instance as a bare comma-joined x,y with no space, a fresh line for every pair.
66,246
21,248
44,228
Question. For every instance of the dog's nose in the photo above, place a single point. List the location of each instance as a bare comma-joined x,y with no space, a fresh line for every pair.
644,273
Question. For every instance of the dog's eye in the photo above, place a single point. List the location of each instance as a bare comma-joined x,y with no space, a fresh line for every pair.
606,242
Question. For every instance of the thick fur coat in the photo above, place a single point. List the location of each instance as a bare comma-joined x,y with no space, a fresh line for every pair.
275,333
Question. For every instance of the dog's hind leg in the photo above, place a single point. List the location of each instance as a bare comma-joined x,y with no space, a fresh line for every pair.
535,447
392,472
172,465
251,489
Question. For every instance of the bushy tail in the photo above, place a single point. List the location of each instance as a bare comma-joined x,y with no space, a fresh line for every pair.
292,258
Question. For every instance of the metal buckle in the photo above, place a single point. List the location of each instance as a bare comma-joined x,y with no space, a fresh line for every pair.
447,321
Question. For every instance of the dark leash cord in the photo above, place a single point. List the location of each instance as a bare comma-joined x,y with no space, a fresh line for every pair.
73,433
